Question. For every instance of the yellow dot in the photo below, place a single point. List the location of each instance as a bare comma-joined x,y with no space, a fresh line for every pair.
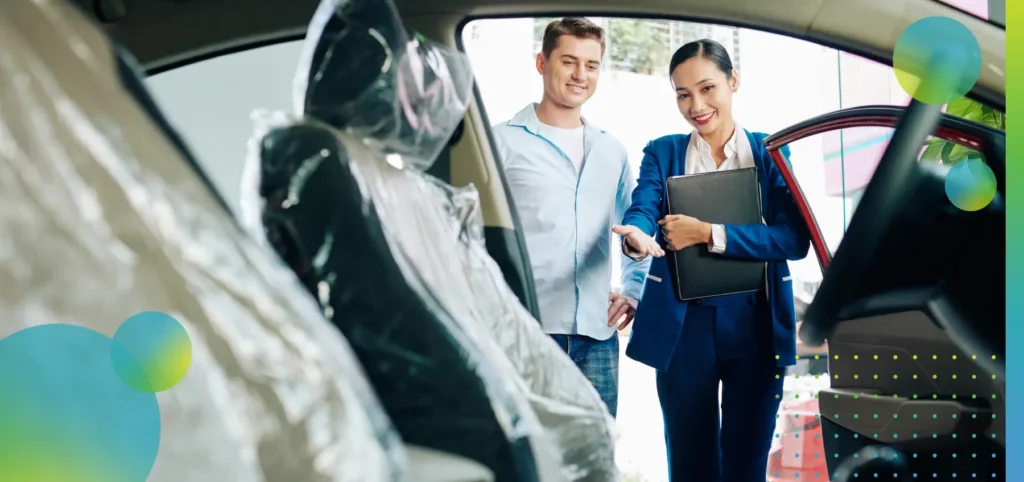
856,377
836,376
974,377
993,377
815,357
798,357
816,377
935,377
954,357
895,357
876,357
954,377
836,357
856,357
876,376
776,377
895,377
776,357
974,357
776,396
915,357
993,357
915,376
935,357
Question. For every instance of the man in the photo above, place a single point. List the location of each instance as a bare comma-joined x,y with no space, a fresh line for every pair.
571,182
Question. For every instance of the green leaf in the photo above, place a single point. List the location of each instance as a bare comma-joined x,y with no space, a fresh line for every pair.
961,106
956,154
947,149
933,152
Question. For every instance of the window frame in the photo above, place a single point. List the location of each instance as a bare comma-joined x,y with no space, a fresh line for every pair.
951,128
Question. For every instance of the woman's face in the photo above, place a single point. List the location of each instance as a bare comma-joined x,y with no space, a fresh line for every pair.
704,94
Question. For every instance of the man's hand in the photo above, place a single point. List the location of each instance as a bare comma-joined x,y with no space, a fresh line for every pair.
621,310
681,231
639,241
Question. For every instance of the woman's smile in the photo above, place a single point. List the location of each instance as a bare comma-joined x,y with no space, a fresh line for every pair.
703,119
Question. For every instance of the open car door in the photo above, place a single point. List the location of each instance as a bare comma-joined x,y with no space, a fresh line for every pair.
911,304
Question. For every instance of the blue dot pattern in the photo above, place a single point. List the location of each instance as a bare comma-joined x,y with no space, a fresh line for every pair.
968,451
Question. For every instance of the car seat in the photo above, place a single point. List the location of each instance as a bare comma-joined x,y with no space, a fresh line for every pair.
395,256
102,217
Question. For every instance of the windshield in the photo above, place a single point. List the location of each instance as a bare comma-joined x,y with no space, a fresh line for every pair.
994,11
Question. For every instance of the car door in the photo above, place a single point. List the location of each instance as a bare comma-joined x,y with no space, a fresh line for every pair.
899,377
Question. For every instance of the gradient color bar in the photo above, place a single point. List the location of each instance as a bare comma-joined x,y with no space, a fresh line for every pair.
1014,240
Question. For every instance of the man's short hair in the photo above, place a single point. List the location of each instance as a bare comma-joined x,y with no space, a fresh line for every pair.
580,28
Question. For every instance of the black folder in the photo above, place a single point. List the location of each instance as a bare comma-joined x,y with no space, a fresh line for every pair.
720,197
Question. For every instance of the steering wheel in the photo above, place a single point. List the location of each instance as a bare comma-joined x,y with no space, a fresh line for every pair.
895,172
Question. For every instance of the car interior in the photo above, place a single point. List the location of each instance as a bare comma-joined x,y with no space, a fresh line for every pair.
371,315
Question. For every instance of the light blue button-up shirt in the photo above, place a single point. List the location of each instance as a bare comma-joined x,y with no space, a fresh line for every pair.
567,219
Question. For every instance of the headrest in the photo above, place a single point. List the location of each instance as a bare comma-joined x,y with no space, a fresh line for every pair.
363,73
101,218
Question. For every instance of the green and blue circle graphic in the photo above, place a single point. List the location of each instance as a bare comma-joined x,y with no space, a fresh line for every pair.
151,352
937,60
970,185
78,406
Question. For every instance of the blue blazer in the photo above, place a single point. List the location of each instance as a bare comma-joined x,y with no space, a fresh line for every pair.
658,325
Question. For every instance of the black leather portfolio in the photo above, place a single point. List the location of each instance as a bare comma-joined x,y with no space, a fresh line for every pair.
720,197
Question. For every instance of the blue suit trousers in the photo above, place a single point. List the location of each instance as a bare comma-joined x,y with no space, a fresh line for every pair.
725,339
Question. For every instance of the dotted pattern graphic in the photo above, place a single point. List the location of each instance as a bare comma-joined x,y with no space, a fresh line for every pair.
932,440
80,406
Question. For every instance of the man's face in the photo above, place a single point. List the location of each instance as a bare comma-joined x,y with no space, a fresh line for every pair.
571,71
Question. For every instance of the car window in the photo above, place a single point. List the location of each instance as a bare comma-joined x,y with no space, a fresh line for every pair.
210,103
634,102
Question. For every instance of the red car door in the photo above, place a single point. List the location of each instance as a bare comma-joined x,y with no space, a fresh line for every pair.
912,306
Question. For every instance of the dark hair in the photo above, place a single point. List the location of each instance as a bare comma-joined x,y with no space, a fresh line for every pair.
577,27
707,48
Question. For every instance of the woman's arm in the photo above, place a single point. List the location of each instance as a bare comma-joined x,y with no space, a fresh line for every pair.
787,238
634,268
648,195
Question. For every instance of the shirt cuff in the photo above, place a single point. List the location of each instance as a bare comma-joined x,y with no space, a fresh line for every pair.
633,254
717,244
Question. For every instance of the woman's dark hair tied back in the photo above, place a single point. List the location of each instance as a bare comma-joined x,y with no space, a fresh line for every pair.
707,48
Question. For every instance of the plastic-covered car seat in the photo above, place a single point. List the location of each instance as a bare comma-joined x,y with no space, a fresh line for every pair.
102,217
397,259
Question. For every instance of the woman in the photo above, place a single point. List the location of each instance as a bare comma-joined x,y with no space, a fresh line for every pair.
744,341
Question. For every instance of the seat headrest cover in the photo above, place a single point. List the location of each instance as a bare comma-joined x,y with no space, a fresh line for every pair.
101,219
363,73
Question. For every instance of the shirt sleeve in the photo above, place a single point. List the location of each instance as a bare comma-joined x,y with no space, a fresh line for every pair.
717,244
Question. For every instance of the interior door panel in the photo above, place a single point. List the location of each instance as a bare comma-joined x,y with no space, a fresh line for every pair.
899,376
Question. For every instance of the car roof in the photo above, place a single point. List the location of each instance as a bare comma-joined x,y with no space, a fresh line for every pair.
164,34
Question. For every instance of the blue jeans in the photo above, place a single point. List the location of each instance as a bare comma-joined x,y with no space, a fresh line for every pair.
599,362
